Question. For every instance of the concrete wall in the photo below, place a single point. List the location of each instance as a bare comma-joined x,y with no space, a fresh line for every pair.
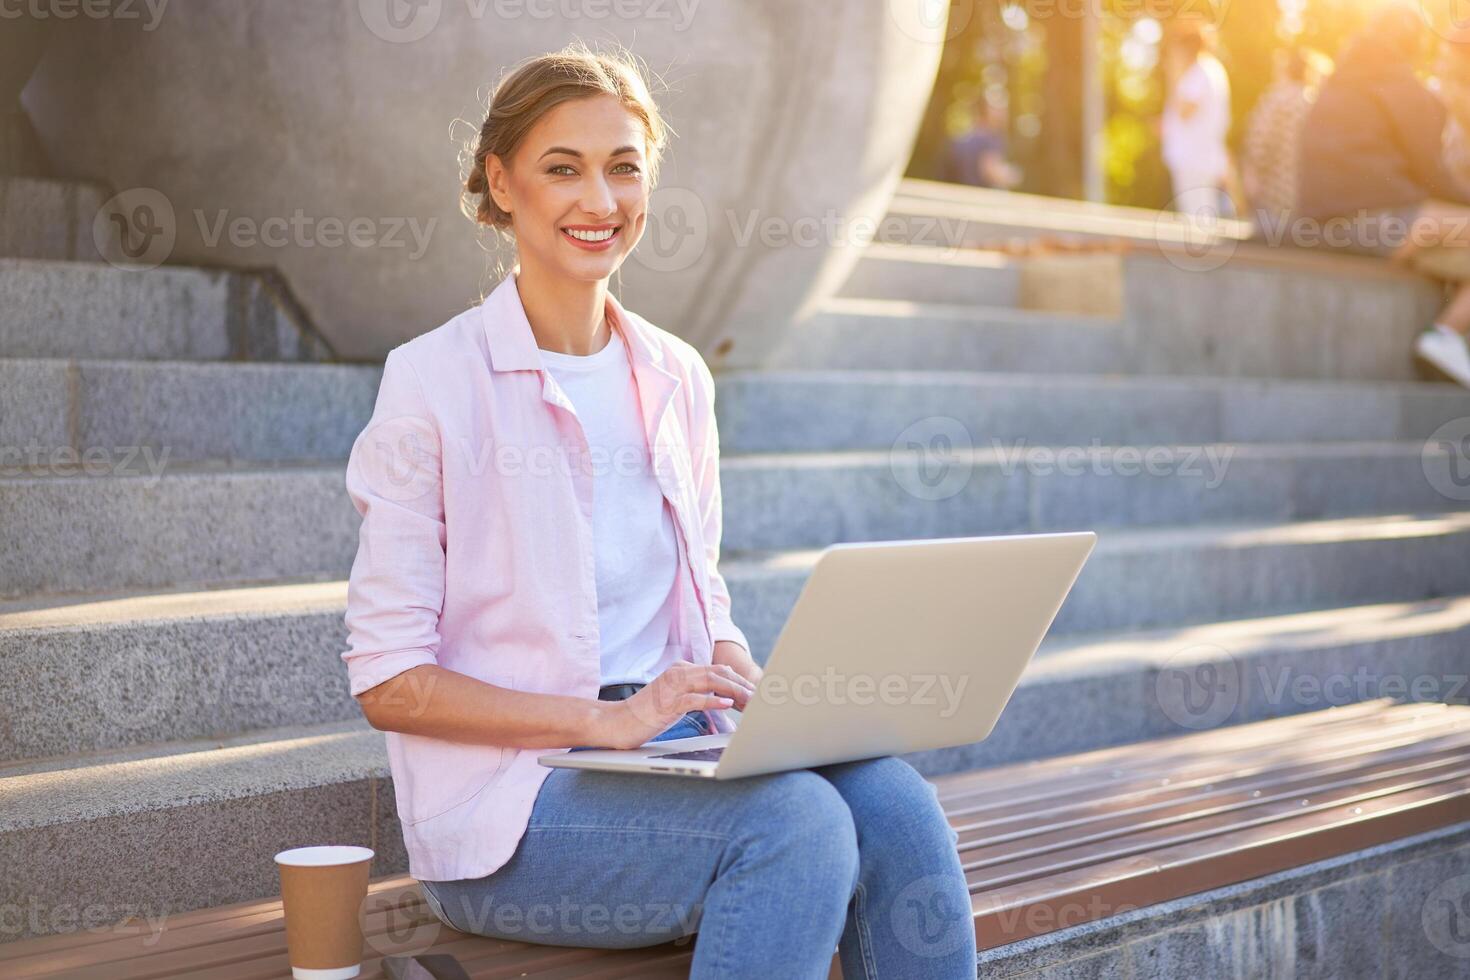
257,128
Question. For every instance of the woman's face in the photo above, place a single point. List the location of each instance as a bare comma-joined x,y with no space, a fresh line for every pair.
580,171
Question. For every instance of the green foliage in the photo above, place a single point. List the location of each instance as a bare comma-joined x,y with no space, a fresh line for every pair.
1002,52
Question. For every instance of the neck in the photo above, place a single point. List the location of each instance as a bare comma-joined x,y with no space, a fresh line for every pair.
566,315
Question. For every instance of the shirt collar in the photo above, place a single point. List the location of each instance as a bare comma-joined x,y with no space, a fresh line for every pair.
512,343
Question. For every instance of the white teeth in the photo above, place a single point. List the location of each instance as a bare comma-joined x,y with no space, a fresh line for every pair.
591,236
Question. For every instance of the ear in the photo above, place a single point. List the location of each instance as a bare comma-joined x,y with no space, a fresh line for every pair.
497,177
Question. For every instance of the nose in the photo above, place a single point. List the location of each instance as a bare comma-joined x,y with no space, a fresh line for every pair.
598,199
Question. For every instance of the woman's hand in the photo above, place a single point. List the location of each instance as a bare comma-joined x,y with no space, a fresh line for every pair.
737,658
682,688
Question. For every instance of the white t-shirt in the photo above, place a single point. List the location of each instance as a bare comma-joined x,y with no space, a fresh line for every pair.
1196,146
637,557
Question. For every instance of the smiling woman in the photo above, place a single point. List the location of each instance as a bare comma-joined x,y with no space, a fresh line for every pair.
499,611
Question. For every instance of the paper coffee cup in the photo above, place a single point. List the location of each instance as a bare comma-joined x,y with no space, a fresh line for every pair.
323,890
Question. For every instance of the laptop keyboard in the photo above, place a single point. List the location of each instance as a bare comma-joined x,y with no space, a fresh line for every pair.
701,755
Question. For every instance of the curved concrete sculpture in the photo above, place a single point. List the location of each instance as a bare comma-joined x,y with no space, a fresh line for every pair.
316,137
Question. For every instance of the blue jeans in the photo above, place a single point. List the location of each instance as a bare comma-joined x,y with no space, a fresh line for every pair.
772,871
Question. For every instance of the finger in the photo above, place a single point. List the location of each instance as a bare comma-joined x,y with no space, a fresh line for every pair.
726,671
707,702
736,687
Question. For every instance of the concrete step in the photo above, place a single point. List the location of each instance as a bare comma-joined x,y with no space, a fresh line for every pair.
1092,691
42,218
895,334
936,214
190,410
1156,577
821,410
185,825
95,310
123,669
131,668
141,522
1240,321
934,275
1381,911
936,487
191,824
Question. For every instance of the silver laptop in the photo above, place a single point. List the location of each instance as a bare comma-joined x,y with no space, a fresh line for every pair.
892,647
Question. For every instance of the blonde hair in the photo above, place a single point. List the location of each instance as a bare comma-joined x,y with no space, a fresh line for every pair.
536,86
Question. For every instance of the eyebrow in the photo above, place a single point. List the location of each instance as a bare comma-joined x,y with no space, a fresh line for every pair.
574,153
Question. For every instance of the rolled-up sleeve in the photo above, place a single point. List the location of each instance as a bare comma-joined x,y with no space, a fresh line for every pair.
704,454
395,594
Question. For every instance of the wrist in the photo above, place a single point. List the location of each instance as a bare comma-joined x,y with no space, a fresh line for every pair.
599,727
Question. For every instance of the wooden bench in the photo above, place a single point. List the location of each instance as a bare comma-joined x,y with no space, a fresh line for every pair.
1045,845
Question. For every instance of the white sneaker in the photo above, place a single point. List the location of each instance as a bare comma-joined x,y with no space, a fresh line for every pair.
1445,349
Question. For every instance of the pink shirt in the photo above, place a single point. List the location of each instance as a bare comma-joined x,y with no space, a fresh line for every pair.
476,551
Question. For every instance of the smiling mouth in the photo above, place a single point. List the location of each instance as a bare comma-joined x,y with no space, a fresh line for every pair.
588,236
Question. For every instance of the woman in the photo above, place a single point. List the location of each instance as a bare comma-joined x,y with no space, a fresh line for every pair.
508,600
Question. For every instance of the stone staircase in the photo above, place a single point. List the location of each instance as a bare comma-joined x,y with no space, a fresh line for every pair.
1277,532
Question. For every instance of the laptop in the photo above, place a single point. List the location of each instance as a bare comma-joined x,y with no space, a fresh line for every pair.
892,647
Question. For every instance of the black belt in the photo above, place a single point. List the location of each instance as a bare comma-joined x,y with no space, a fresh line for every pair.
619,692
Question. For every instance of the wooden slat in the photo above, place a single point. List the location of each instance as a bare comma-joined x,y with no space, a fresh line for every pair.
1006,915
1045,845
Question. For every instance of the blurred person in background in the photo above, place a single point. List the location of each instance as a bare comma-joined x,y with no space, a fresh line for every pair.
1451,83
1272,149
1196,122
978,156
1372,157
